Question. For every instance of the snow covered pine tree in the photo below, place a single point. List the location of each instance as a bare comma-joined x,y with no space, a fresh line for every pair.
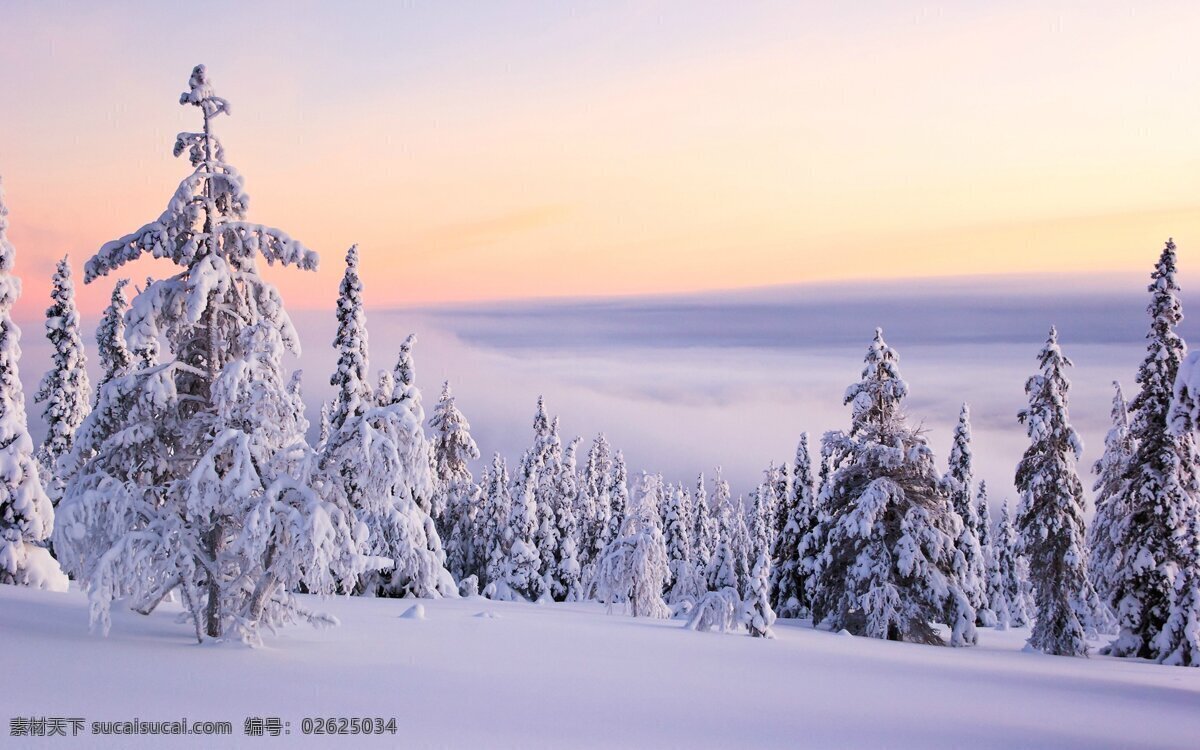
1111,486
1050,517
1008,599
798,515
453,450
958,479
889,567
115,358
26,514
194,474
375,458
633,568
1160,493
64,389
1178,643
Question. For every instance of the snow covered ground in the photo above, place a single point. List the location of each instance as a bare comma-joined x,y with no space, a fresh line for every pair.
563,675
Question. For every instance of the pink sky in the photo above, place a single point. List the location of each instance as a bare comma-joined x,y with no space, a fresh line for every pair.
544,149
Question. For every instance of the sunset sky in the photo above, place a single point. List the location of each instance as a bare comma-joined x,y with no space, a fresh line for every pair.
482,151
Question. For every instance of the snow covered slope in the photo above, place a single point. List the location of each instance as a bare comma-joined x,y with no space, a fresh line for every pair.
563,675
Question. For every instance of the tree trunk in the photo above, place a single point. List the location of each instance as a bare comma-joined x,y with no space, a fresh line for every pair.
212,610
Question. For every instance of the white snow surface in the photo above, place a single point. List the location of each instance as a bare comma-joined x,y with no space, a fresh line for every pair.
569,675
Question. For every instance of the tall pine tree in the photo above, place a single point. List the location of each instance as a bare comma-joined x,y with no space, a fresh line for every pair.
65,389
1050,517
352,394
1160,491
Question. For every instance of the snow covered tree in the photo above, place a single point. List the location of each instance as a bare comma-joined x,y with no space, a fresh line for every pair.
757,610
763,511
453,450
888,568
593,506
413,487
1006,588
618,498
567,580
26,514
1159,486
548,447
65,389
115,358
722,569
522,563
741,545
194,474
704,532
1050,517
958,480
633,567
717,610
788,571
984,513
685,582
1110,488
352,395
1178,643
496,510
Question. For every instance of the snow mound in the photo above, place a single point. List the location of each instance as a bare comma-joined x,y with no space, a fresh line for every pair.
415,612
42,571
488,614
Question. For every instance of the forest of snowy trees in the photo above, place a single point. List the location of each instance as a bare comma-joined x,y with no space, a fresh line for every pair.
187,475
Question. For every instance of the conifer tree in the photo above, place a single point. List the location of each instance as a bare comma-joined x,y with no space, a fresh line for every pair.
633,567
618,498
1111,472
704,532
453,450
522,564
1006,585
352,394
497,509
763,512
958,479
788,571
684,582
888,568
721,571
568,579
1050,518
984,514
594,503
115,358
758,614
65,389
26,513
1178,643
199,478
1160,489
548,446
